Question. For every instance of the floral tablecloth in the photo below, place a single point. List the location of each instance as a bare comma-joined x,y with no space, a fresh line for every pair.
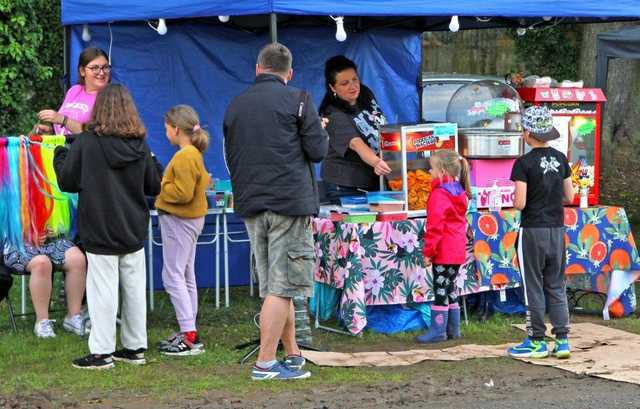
381,262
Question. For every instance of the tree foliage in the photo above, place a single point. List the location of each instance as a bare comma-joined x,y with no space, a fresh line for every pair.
549,51
31,62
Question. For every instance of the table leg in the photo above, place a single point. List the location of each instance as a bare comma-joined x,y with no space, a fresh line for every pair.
464,309
150,266
23,300
217,260
226,260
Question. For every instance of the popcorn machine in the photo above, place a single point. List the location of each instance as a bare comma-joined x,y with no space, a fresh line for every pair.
406,148
577,115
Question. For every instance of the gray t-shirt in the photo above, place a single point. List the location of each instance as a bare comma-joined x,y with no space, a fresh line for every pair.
342,165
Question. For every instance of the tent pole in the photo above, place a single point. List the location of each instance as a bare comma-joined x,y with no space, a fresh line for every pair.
65,58
273,27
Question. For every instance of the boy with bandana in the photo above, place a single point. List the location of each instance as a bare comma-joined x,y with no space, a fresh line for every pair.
543,185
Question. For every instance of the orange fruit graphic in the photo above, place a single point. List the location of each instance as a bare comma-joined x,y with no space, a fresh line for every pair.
598,252
616,310
488,225
574,269
570,217
620,260
509,240
514,261
589,231
481,250
612,215
499,279
567,240
601,283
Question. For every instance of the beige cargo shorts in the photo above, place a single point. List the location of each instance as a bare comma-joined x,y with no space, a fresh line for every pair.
283,254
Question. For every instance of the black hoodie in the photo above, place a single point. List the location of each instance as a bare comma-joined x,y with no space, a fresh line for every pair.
112,175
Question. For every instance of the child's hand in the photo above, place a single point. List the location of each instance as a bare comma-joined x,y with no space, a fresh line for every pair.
427,261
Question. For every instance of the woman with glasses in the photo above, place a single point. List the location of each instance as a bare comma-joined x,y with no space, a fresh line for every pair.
94,73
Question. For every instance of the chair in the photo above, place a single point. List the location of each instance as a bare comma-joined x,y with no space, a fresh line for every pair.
6,281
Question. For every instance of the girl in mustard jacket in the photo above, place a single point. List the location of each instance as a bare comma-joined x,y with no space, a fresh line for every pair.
182,206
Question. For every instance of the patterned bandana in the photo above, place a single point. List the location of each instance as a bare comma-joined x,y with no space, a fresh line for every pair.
539,122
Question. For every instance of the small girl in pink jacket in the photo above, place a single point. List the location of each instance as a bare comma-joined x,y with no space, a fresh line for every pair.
445,240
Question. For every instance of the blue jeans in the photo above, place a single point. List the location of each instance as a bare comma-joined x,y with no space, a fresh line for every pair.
335,192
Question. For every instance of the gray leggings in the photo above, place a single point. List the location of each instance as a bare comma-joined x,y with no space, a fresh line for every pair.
541,254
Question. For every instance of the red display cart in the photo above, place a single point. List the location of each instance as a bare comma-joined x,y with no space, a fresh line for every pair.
577,114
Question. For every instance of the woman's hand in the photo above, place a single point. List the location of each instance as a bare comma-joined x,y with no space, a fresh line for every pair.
42,129
427,261
381,168
49,115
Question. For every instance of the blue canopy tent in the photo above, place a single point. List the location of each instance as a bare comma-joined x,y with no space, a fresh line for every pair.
204,62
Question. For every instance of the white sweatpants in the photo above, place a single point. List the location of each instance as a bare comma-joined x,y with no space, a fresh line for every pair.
105,276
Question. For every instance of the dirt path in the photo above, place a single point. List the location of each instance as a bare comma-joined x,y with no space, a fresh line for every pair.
488,383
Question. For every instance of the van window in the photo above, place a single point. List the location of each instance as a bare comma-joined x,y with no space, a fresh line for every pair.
435,98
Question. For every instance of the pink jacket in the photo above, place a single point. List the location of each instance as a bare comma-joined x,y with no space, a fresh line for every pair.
445,238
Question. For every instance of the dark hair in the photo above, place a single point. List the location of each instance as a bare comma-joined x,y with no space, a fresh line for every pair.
275,58
334,66
115,114
86,56
187,120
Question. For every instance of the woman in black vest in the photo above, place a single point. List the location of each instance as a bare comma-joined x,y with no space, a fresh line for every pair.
352,165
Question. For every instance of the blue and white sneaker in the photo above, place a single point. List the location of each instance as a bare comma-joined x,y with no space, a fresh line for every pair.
561,349
529,349
295,362
279,371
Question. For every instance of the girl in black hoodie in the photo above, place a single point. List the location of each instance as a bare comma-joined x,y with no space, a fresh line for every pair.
112,169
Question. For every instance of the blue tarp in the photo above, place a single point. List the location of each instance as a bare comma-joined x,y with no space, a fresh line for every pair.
206,66
91,11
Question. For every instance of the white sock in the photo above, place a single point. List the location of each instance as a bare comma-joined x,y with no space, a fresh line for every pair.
266,364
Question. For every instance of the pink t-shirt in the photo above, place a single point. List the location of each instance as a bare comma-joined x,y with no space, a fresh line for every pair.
77,105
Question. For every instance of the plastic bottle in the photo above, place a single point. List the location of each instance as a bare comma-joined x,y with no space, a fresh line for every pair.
495,201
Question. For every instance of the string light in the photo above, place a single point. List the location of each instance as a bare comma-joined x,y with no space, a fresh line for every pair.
341,35
454,24
162,27
224,19
86,34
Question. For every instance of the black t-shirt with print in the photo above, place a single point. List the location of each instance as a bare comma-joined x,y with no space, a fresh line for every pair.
544,171
342,165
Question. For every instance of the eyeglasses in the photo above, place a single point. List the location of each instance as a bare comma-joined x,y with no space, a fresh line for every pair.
97,68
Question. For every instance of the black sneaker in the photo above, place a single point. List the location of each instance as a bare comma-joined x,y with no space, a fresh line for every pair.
182,347
130,356
92,361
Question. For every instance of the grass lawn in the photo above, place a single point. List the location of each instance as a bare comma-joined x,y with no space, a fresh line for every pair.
30,364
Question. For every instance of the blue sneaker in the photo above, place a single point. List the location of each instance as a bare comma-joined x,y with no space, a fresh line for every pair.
529,349
295,362
561,349
279,370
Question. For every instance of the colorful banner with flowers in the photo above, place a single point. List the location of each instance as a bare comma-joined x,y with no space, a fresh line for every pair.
376,264
381,263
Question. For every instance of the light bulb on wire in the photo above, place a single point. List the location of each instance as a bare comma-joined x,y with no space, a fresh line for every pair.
341,35
162,27
521,31
454,24
86,34
223,19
